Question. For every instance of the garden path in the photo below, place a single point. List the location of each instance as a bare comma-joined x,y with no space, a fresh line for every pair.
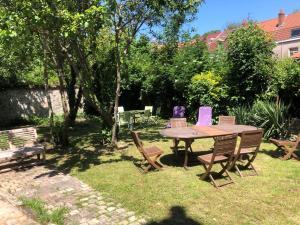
84,204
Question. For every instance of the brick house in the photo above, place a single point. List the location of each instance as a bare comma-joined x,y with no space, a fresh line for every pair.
285,31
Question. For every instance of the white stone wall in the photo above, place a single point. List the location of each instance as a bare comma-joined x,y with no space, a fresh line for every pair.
19,103
282,48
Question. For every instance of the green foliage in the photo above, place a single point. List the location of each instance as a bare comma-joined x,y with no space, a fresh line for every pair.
155,71
250,59
207,88
38,207
272,117
242,114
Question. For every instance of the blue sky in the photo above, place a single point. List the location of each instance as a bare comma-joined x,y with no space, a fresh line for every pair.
216,14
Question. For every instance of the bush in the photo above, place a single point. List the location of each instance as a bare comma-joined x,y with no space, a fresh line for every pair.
272,117
249,54
207,89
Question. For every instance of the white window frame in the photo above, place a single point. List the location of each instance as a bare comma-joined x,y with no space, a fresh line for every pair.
293,50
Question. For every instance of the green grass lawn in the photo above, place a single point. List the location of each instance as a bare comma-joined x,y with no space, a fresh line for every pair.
176,196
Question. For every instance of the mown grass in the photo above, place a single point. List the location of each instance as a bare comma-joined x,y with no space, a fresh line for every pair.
176,196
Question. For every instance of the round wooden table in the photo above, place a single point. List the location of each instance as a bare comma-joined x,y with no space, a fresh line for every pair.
188,134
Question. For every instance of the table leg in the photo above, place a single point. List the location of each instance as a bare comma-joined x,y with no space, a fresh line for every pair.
187,144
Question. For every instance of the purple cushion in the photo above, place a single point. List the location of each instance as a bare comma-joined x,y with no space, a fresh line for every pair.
205,116
178,112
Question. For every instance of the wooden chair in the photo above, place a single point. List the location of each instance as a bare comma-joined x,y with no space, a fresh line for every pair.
247,150
289,147
226,120
223,152
150,154
177,123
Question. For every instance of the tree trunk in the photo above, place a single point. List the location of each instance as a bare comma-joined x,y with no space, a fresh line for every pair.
46,84
65,129
74,101
114,137
86,85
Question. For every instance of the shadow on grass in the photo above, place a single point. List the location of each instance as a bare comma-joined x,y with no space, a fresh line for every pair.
86,149
177,216
177,159
278,153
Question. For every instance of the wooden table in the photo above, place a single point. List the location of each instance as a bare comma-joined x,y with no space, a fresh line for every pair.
188,134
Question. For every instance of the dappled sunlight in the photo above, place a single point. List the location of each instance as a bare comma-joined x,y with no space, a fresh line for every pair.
157,193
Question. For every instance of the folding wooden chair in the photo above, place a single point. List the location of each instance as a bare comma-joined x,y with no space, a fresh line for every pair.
150,154
226,120
289,147
176,123
247,151
223,152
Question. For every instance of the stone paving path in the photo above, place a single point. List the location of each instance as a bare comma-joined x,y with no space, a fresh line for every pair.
11,215
85,205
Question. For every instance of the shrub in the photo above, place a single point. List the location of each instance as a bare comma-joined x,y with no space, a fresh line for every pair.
207,89
242,114
249,54
272,117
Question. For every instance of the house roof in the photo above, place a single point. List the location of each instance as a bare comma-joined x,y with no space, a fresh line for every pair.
282,32
278,33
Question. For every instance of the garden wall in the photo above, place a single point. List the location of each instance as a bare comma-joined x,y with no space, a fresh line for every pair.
20,103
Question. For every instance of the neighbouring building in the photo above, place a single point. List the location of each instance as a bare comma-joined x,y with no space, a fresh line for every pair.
285,31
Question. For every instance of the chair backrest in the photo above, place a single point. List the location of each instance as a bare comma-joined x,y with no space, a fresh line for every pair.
150,108
138,143
225,145
205,116
124,118
226,120
178,111
178,122
251,140
158,111
120,109
13,139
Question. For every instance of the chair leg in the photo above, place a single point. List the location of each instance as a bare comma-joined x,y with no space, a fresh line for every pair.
250,164
295,156
238,170
206,172
287,155
146,170
154,161
225,170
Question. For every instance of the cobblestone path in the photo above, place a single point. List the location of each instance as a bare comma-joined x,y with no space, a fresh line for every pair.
85,205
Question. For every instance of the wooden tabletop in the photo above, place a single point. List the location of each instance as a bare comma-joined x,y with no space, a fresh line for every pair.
195,132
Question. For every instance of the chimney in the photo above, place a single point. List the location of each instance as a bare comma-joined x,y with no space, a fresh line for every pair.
281,17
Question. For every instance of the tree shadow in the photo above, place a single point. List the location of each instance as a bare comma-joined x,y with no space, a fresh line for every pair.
177,216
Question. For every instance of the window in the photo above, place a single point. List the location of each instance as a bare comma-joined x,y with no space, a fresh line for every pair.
293,50
295,33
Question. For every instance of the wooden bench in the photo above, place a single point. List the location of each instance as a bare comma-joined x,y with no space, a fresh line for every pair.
20,144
